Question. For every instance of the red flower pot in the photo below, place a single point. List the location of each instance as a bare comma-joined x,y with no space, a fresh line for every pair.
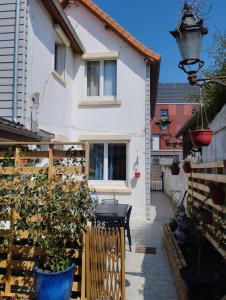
175,170
217,197
202,137
137,174
187,167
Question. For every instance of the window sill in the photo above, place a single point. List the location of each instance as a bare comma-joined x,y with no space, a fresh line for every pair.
101,102
59,78
111,189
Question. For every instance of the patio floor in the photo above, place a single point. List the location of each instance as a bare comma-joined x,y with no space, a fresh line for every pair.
148,276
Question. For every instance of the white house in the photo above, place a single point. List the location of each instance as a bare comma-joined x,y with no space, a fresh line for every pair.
90,80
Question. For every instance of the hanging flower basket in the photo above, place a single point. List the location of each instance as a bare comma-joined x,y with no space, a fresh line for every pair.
201,137
175,170
216,192
205,216
217,197
187,167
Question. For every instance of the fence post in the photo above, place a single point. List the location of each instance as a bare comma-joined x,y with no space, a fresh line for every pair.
87,258
123,263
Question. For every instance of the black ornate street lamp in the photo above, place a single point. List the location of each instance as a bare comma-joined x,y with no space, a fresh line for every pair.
189,35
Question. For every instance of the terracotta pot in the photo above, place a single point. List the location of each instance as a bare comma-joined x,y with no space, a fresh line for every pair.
187,167
175,170
201,137
217,197
205,216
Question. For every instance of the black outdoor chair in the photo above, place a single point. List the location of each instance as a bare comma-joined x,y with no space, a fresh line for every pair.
109,201
127,228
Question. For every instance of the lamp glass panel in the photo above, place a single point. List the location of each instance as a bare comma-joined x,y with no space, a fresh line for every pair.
190,45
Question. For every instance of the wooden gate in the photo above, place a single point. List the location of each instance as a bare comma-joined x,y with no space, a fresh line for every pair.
156,175
105,264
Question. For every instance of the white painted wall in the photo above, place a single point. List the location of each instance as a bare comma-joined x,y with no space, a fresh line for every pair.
56,109
216,151
175,182
129,118
59,110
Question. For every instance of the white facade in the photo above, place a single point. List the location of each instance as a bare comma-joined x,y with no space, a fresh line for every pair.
65,110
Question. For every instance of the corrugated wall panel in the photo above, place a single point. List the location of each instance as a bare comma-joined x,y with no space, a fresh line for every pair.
7,32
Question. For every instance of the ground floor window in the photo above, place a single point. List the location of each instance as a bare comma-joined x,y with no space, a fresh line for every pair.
108,161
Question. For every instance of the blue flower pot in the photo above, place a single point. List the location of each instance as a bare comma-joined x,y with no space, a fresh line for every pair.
54,285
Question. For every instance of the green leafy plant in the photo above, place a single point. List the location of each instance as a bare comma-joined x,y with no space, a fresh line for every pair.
54,213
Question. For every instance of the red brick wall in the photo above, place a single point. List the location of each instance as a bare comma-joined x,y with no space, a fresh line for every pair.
178,114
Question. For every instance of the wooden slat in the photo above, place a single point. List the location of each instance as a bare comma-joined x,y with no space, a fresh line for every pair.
213,177
215,244
42,143
23,170
207,201
199,186
218,164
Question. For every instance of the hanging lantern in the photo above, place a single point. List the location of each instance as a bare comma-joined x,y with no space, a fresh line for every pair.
189,35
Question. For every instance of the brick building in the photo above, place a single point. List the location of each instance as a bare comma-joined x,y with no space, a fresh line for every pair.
175,104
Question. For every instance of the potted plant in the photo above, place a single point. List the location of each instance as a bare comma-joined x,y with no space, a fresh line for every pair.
187,166
174,168
201,137
216,192
54,213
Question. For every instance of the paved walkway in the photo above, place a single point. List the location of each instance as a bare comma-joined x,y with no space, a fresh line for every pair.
148,276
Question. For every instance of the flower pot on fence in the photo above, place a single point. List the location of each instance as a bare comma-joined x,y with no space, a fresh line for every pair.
187,167
200,282
201,137
217,197
54,285
205,216
175,170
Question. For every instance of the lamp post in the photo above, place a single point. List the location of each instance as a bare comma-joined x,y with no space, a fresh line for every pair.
189,35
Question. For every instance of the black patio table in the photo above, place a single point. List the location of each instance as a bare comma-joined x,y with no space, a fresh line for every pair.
111,215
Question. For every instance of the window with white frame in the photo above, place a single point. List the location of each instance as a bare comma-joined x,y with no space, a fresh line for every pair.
101,78
59,56
108,161
155,142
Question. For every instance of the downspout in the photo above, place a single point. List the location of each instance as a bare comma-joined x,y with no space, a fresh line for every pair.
15,67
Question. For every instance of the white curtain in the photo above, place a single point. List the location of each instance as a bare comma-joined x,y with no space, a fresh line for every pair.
110,78
93,78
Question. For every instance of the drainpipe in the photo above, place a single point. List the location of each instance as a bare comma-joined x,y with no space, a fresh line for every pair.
15,67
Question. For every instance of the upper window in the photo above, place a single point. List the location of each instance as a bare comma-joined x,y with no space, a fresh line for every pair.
164,115
108,161
59,56
155,142
101,78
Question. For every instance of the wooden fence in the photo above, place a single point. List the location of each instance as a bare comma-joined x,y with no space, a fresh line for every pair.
105,266
100,272
198,197
16,265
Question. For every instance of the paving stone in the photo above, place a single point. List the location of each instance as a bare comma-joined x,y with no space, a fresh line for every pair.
148,276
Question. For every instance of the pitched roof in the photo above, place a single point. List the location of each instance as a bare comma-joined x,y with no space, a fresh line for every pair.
152,57
117,28
59,16
10,130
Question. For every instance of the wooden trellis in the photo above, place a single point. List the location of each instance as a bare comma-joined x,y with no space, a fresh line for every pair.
105,266
16,265
198,197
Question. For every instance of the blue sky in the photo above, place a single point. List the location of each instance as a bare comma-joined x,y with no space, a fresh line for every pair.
150,22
